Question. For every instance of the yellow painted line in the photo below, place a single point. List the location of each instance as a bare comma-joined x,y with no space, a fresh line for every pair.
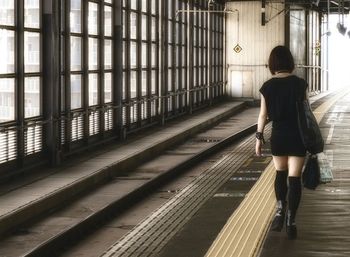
245,231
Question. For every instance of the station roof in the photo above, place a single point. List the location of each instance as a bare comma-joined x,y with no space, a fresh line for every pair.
335,6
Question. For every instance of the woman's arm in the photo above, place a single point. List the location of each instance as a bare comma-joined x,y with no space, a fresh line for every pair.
262,115
262,120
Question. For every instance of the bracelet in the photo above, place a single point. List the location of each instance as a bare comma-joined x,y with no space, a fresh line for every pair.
260,136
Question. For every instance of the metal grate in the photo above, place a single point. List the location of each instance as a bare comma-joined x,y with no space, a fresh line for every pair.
124,116
170,103
63,132
144,106
8,145
94,123
153,108
77,128
133,113
33,139
109,120
150,236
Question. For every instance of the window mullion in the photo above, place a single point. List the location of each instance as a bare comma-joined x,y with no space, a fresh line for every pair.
85,66
101,90
19,9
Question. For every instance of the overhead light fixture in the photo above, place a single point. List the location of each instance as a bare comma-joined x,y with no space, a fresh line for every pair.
341,28
315,2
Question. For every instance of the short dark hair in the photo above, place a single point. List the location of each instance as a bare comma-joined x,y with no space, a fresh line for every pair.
281,59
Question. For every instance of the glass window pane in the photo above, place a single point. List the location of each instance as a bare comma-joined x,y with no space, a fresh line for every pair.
31,97
7,12
93,54
154,82
134,4
154,8
124,55
170,9
75,89
133,84
124,22
108,21
31,13
75,53
108,54
7,100
108,1
144,83
75,16
133,25
144,55
124,86
144,27
133,48
93,18
7,46
170,32
154,29
108,87
31,52
144,5
93,89
154,55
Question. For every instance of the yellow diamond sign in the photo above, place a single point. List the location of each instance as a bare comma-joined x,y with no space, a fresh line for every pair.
237,48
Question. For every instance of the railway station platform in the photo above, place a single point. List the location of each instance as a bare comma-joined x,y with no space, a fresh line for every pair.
225,211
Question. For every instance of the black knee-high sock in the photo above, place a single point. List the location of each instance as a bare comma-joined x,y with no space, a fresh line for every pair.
281,187
294,195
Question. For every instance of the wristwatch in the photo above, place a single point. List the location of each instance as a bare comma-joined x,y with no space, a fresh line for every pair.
260,136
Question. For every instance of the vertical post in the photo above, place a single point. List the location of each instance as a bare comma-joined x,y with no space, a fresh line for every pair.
20,81
67,78
51,79
138,64
117,85
149,103
101,84
210,58
319,55
85,79
287,29
163,61
190,58
307,24
263,14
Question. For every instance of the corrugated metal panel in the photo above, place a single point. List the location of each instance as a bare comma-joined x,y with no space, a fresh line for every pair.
256,41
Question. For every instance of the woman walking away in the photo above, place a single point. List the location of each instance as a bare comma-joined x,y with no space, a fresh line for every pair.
278,104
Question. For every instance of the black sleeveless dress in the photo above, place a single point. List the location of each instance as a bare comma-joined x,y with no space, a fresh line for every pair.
281,95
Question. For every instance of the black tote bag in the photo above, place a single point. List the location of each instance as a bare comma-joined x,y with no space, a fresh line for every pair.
311,174
308,128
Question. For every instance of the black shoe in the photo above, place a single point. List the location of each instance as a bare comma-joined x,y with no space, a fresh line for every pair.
292,232
291,227
277,223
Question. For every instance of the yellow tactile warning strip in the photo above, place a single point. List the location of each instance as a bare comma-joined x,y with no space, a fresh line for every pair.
243,234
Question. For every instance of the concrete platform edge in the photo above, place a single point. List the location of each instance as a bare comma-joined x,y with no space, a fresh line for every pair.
60,196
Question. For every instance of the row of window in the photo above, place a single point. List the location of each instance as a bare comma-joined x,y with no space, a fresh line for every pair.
159,76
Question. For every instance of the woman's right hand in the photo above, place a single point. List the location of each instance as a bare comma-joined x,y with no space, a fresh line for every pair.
258,146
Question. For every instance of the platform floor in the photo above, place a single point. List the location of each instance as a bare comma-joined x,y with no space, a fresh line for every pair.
324,214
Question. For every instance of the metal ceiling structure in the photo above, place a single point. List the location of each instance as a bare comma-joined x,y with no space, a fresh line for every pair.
335,6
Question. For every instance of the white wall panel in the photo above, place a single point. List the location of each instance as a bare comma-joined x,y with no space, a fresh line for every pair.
257,42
